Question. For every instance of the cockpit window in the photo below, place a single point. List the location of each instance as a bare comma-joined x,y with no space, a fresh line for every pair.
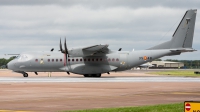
17,57
23,57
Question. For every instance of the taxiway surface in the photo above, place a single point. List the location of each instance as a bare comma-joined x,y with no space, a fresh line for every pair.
104,79
63,92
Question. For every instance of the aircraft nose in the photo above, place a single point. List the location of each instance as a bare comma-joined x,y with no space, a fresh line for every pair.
10,65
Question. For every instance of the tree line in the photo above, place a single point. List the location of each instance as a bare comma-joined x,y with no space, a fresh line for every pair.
4,61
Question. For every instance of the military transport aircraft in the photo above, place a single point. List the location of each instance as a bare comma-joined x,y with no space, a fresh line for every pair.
94,60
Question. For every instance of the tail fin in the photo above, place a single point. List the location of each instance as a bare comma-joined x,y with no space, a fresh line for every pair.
183,35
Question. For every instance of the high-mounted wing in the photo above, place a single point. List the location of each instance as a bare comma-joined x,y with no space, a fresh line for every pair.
96,50
95,47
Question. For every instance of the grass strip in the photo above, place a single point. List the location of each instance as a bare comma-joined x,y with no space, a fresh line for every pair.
189,73
176,107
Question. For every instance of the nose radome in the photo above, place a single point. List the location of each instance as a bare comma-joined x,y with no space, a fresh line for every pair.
10,65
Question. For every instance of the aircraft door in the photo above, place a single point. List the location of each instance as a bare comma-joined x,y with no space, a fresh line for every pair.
123,60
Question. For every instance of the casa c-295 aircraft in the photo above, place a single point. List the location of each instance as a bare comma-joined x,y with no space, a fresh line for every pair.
94,60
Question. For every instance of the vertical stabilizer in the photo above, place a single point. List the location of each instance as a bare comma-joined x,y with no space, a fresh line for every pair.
183,35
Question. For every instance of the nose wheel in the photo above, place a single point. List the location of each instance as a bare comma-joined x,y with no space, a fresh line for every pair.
25,74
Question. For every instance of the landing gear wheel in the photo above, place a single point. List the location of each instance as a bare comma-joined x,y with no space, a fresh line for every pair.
98,75
92,75
25,75
86,75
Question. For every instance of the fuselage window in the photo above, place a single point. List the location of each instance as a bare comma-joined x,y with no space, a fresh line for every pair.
60,60
113,59
76,59
97,59
92,59
72,59
68,59
56,60
101,59
88,59
117,59
36,60
48,60
52,60
84,59
80,59
108,59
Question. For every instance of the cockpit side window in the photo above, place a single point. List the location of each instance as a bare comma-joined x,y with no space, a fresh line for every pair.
17,57
23,57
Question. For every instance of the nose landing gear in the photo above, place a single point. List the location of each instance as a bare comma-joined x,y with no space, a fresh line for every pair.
25,74
22,72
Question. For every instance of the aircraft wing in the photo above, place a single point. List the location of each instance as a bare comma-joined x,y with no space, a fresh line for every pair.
96,49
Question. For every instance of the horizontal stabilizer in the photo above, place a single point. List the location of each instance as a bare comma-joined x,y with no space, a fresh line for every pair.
183,50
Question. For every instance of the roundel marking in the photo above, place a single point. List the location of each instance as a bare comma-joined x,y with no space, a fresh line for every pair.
145,58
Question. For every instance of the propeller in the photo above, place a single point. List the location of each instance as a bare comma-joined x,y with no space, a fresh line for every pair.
61,46
65,51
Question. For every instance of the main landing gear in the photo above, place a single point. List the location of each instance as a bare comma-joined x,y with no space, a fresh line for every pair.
92,75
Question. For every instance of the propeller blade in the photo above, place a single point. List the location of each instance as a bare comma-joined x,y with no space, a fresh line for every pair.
61,46
65,45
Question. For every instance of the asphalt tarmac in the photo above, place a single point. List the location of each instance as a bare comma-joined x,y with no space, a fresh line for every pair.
74,92
103,79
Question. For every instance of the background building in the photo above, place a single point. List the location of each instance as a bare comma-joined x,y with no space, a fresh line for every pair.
167,64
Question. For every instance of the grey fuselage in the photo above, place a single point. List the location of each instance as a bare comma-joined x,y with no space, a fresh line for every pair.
56,61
